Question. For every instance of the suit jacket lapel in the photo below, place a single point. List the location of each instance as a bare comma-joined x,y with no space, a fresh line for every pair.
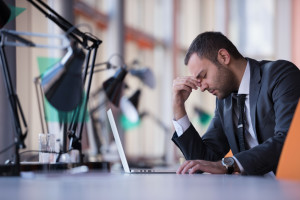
255,85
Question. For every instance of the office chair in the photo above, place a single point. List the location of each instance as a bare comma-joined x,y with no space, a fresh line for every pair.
229,154
289,163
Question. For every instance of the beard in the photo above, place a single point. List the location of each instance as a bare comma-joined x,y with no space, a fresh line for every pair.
225,82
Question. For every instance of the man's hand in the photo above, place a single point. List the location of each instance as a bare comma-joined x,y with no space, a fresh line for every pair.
194,166
182,88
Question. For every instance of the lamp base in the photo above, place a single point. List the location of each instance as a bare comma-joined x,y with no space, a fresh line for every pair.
9,170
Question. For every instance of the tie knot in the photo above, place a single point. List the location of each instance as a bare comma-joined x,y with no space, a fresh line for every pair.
241,99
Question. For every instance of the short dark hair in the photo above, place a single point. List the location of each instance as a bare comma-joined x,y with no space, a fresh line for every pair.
208,44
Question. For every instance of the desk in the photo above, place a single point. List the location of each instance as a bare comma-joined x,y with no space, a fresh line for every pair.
119,186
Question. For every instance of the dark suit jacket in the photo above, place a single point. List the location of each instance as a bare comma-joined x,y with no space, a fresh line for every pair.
274,94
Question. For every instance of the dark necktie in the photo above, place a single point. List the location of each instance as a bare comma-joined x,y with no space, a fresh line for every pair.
241,121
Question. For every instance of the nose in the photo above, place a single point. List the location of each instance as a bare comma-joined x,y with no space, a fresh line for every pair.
203,86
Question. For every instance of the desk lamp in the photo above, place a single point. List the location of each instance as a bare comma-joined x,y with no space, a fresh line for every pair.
89,43
14,38
145,75
113,87
52,88
129,106
135,98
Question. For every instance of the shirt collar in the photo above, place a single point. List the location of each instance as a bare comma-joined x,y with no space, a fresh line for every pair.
245,83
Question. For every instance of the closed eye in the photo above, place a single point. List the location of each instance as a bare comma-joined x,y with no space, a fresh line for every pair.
200,76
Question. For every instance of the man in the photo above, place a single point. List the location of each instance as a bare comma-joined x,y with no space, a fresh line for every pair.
271,91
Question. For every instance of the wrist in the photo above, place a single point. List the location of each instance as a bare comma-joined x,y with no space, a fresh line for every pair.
236,167
179,111
229,164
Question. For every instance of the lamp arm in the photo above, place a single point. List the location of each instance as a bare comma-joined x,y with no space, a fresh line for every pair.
75,141
89,86
17,35
107,67
76,34
75,118
157,120
41,105
102,63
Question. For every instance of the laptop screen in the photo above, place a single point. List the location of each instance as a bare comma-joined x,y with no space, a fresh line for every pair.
118,141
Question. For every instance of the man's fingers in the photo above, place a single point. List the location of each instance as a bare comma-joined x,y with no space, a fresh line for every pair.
179,171
193,167
196,169
182,87
200,166
188,167
188,81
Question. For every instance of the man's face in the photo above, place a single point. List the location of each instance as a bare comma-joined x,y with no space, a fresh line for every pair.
218,80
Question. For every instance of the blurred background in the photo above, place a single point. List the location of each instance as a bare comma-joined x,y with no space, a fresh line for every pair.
152,34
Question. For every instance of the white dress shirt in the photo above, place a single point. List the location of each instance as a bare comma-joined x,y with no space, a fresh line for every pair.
183,123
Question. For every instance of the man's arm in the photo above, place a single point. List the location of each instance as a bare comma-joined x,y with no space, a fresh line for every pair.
212,146
182,88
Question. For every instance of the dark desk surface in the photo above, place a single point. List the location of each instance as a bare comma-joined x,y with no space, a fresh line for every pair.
148,186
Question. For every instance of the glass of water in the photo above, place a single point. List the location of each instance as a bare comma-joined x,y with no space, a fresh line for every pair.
46,146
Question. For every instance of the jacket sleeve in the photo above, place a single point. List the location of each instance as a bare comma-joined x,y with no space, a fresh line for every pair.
212,146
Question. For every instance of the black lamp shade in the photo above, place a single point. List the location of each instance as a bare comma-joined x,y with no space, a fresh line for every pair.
62,84
129,106
145,75
113,86
4,13
134,99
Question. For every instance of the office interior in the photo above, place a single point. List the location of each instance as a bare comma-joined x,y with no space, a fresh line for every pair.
140,34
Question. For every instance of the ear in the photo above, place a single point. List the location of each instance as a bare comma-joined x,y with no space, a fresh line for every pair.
223,57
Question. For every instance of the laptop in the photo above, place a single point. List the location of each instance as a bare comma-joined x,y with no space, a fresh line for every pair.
122,153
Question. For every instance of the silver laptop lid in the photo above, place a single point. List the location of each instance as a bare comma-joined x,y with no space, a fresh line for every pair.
118,141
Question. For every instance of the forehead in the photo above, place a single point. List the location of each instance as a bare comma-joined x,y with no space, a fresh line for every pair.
196,65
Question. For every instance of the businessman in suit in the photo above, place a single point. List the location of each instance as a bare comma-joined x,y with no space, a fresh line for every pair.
255,132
